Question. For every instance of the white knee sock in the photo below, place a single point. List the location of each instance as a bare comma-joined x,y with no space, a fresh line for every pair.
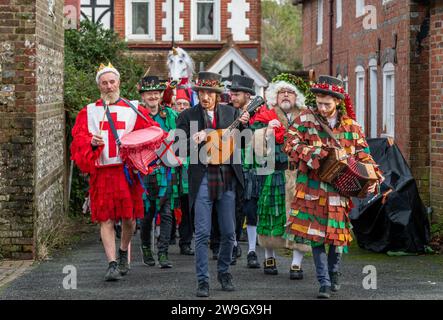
269,253
252,237
297,257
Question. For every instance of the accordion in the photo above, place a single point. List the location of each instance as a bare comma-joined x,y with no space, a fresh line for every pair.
349,176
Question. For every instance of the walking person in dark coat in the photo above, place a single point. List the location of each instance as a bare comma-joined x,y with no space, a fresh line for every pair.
211,185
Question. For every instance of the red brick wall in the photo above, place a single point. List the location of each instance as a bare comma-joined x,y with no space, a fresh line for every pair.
353,46
436,100
418,145
119,17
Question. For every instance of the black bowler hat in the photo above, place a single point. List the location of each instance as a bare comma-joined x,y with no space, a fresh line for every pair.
242,83
330,86
209,81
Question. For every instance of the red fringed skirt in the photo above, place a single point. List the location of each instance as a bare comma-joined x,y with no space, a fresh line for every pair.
112,198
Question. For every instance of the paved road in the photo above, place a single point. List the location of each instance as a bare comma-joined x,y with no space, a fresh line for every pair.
411,277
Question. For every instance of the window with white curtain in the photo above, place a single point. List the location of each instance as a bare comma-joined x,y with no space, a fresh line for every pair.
140,19
360,95
339,15
319,22
359,8
389,100
373,88
205,22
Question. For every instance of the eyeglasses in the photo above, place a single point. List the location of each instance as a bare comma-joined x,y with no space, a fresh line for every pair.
286,92
182,103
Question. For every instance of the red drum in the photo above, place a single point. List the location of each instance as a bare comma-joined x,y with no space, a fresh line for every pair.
137,148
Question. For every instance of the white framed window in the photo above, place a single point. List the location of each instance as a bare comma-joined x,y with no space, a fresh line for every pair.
346,84
319,22
339,14
359,8
205,21
389,100
373,88
360,95
140,19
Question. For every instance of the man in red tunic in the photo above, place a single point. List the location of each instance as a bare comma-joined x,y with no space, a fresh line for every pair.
114,196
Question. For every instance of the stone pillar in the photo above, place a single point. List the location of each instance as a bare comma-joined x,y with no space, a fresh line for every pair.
32,126
436,101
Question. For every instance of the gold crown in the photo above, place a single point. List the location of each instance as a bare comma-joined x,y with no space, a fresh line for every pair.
102,66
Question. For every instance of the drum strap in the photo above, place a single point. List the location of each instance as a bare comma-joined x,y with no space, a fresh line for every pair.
136,110
326,128
112,125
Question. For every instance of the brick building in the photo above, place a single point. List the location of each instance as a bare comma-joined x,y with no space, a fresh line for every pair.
201,27
32,126
390,55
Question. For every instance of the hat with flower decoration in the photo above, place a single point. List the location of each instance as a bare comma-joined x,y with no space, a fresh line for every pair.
333,87
290,82
151,83
208,81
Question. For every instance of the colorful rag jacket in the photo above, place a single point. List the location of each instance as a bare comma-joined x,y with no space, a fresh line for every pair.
318,213
163,182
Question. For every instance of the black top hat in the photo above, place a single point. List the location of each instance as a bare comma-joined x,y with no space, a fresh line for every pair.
242,83
208,81
329,86
151,83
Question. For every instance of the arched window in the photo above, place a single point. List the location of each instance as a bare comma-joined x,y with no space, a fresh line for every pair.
389,100
360,95
319,22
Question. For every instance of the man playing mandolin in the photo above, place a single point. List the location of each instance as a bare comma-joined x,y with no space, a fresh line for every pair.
211,184
319,211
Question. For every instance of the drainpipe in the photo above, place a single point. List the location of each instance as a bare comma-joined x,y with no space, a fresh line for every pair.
173,18
331,28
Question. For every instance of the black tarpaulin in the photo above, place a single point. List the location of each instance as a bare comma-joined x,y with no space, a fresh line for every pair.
401,223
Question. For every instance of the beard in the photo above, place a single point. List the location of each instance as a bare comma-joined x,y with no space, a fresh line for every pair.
286,105
111,97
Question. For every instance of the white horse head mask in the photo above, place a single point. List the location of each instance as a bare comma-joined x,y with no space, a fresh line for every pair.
180,65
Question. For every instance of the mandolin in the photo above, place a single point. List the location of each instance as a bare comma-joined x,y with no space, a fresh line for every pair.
220,143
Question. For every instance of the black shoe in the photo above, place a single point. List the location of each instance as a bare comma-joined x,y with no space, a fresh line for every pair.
295,273
335,286
270,266
215,253
203,289
123,263
253,261
148,257
225,280
113,273
324,292
164,261
186,250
